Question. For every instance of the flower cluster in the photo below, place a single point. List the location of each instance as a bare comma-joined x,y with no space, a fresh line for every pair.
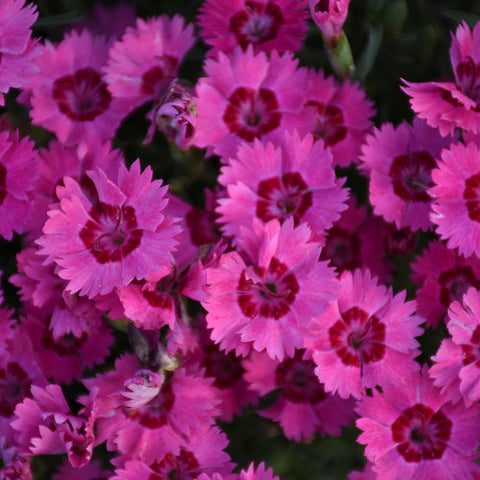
142,320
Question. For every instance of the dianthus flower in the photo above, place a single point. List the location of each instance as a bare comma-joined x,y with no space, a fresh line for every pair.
399,162
17,50
356,241
456,369
145,60
144,415
448,105
456,208
269,299
69,94
410,431
258,473
202,454
107,236
443,276
46,426
267,25
366,337
329,16
18,172
339,114
295,180
302,408
247,96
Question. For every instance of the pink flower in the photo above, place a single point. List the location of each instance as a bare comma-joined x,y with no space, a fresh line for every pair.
107,237
18,173
443,276
456,209
144,415
202,455
399,162
64,356
366,337
295,180
410,431
267,25
340,114
247,96
17,50
269,299
303,408
145,60
91,471
258,473
357,240
329,15
46,426
70,96
456,369
448,105
109,20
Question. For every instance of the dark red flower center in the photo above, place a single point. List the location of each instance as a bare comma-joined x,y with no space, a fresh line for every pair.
67,344
184,466
252,113
328,122
468,76
321,6
82,96
411,176
14,387
421,433
298,380
269,292
342,249
471,195
156,80
358,338
258,23
455,282
470,352
112,232
282,197
226,369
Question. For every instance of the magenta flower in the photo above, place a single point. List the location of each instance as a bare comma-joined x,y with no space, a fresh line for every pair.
447,105
329,15
399,162
443,276
266,25
269,299
18,173
366,337
340,114
69,94
302,408
17,50
456,209
247,96
410,431
356,240
202,455
153,415
46,426
64,356
145,60
295,181
106,238
258,473
456,369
